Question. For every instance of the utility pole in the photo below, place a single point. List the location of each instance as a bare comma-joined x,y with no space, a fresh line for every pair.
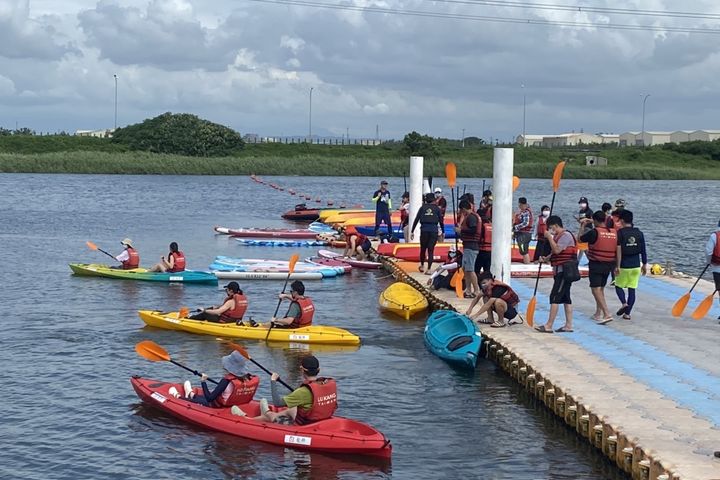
524,98
377,132
310,120
115,76
642,133
463,138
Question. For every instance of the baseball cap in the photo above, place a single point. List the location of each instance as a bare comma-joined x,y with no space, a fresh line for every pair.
234,286
310,364
438,190
620,203
583,200
384,182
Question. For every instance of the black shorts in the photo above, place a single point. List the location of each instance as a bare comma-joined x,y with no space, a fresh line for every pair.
599,273
560,292
523,241
716,277
510,313
366,245
482,262
541,249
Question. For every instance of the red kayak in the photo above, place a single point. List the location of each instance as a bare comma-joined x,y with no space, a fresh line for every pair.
267,232
334,435
308,214
329,262
411,253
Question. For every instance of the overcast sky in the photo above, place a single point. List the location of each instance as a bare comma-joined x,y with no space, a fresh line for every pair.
251,65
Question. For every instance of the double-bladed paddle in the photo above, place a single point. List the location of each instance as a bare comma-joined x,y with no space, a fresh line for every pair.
293,261
155,353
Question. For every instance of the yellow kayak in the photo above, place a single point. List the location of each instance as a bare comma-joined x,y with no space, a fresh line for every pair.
315,334
323,214
403,300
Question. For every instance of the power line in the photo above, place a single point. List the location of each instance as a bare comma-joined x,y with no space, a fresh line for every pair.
485,18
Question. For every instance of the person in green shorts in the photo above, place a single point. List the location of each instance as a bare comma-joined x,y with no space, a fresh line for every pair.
631,253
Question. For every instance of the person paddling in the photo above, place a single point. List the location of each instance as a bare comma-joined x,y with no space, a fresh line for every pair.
313,401
129,257
712,250
232,309
175,261
237,386
301,310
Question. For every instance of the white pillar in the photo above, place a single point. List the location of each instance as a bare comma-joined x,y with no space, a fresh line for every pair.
416,191
426,186
502,213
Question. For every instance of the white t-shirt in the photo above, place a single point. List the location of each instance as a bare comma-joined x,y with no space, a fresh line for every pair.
123,257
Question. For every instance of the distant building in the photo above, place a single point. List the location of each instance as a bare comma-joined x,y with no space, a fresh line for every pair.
107,133
251,138
649,139
570,139
680,136
629,139
608,138
530,140
705,135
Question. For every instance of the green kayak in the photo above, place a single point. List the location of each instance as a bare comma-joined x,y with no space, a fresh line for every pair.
186,276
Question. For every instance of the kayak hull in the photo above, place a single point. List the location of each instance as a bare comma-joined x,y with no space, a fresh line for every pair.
402,300
337,435
411,251
314,334
230,274
267,233
251,242
453,337
187,276
350,261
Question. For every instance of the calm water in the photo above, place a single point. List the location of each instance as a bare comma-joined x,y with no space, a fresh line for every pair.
67,346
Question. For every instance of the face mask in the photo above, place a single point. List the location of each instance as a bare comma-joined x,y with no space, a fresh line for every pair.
583,205
546,213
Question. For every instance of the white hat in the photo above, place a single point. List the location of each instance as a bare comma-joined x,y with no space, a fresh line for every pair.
127,241
438,190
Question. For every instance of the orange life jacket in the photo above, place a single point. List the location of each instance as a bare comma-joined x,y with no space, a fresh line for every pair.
133,260
605,247
234,314
486,241
476,236
307,310
510,297
359,239
243,390
324,393
570,253
178,262
529,226
715,259
542,227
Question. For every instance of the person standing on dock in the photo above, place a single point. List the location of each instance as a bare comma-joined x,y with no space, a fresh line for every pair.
383,205
440,201
485,207
405,215
602,245
470,231
585,212
712,250
630,252
431,221
563,249
542,248
522,228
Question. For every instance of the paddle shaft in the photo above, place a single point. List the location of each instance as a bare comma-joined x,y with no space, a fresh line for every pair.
269,373
191,370
699,277
452,195
537,279
404,183
277,309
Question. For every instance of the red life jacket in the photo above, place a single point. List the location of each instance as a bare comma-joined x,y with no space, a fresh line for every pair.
133,260
179,261
529,226
616,221
542,227
476,236
324,393
570,253
234,314
605,247
510,297
243,390
307,310
486,241
359,239
404,216
715,259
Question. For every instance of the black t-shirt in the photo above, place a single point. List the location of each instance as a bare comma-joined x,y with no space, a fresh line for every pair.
469,228
589,237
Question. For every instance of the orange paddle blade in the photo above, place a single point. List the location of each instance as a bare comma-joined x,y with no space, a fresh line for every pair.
530,314
152,351
516,183
458,285
91,245
557,175
680,305
293,260
453,281
451,174
183,313
704,307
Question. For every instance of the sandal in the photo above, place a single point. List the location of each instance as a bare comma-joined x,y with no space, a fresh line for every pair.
497,325
421,269
468,295
542,329
604,321
627,317
621,310
564,330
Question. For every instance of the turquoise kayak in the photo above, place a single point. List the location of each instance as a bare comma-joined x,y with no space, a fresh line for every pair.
453,337
186,276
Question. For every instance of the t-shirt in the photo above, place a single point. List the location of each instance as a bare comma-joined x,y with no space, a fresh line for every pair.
585,212
300,397
498,291
566,240
632,245
123,257
294,310
383,203
469,228
589,237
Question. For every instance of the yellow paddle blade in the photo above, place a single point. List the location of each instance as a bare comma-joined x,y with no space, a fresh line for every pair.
91,245
704,307
451,174
458,284
680,305
516,183
293,260
530,314
557,175
152,351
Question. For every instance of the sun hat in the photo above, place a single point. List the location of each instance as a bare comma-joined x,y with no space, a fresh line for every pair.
235,363
127,241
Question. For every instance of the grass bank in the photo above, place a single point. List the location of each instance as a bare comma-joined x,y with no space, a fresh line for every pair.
386,160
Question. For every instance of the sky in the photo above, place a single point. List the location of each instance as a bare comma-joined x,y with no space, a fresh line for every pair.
251,66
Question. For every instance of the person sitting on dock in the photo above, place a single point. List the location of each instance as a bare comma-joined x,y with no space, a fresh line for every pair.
314,400
175,261
498,298
237,387
356,244
437,280
232,309
129,257
301,310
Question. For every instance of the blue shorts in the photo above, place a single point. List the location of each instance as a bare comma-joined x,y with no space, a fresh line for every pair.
469,257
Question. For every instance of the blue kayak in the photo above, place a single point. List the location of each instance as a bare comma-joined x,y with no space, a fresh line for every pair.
453,337
280,243
320,227
397,231
219,266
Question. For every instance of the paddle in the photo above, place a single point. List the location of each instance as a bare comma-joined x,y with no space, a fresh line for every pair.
430,182
451,175
92,246
404,183
293,261
241,350
557,175
704,307
516,182
679,306
155,353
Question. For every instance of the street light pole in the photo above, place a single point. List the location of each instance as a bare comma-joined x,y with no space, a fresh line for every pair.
115,102
463,139
310,120
524,101
642,132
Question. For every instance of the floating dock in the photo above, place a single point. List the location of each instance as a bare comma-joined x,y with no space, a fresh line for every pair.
645,392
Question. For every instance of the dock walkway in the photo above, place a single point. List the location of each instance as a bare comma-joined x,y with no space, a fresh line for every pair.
645,391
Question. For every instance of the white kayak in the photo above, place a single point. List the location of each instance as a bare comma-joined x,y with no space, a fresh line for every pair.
255,275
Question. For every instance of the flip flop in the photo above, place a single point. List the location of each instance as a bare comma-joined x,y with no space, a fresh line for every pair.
627,317
497,325
542,329
605,321
564,330
621,310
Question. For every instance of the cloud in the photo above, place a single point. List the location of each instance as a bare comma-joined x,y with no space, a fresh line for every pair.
22,37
